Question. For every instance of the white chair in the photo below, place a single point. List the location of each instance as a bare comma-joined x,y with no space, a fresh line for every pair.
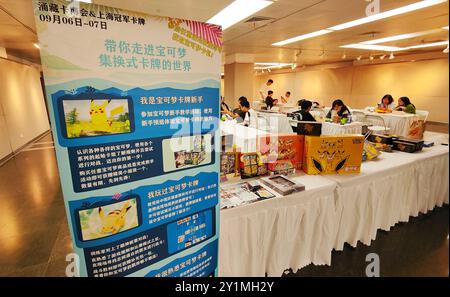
377,124
358,116
422,114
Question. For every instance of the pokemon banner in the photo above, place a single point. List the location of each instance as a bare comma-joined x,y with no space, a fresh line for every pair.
134,106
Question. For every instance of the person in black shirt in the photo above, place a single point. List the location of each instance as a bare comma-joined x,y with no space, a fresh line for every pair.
270,102
304,114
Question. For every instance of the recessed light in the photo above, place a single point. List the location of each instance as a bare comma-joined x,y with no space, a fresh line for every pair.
237,11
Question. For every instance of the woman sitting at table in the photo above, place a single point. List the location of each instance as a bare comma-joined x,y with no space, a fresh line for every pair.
405,105
338,111
304,114
387,103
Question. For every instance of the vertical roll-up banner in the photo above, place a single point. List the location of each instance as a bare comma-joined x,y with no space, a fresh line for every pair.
134,107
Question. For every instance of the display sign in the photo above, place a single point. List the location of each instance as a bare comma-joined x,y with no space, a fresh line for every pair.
134,106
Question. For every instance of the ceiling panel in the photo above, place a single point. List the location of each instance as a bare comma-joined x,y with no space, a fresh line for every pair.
287,18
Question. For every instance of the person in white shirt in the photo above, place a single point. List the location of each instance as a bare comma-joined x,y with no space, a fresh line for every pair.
286,98
265,88
250,118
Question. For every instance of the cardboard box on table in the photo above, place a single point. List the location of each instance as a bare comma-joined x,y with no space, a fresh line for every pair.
287,147
333,154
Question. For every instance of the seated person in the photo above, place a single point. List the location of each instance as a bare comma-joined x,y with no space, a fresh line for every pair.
338,110
405,105
304,114
270,102
237,113
387,103
286,100
250,118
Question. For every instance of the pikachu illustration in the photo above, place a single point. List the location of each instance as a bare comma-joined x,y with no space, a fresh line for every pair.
99,120
114,221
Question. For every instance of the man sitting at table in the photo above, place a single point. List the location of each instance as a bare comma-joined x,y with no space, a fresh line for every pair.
304,114
270,102
288,96
250,117
405,105
338,111
238,113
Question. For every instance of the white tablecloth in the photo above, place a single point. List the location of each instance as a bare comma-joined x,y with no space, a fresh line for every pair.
399,124
245,138
337,129
273,235
388,191
292,232
274,122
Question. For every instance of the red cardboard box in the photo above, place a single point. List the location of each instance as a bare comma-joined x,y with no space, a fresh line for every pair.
282,147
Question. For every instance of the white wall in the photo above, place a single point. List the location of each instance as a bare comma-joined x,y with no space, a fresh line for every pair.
424,82
22,108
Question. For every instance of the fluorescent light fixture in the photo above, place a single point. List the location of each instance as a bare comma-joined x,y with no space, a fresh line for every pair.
400,37
373,47
237,11
428,45
387,14
302,37
271,65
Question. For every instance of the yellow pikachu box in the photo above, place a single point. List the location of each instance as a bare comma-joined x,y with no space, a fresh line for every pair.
333,154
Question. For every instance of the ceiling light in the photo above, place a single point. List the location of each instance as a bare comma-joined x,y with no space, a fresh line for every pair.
373,47
271,65
446,50
387,14
344,56
400,37
359,58
36,45
382,57
428,45
302,37
371,58
294,66
237,11
445,28
391,56
268,70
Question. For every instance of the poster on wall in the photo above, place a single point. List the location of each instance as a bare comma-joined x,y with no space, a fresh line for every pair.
134,107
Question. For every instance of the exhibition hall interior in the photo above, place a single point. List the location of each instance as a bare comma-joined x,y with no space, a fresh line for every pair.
228,138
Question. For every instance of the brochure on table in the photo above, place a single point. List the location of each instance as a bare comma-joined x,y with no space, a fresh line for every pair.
134,106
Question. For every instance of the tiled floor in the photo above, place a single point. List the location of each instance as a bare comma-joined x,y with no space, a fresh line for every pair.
34,235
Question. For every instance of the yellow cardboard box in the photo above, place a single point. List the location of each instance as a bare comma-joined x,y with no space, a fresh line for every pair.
333,154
